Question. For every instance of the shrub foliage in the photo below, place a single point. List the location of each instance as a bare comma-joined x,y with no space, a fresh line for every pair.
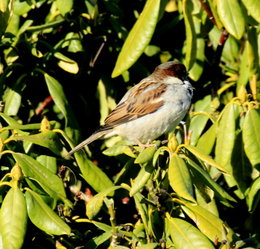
63,66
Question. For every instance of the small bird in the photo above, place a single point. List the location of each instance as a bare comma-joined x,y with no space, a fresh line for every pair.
153,107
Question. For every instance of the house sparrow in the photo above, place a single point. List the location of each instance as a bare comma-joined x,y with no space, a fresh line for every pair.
149,109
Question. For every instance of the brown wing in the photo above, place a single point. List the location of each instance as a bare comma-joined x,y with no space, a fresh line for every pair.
144,99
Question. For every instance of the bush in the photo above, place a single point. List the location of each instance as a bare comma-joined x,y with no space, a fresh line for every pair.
59,79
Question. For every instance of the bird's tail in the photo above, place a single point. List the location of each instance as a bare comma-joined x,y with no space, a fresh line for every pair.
89,140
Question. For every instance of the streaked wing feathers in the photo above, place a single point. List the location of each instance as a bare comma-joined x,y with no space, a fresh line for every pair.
144,99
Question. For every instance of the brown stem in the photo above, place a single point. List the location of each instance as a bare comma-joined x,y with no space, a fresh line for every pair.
208,10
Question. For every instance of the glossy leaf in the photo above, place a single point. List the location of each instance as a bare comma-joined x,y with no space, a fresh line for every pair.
253,195
205,178
148,246
186,236
143,176
50,182
141,207
253,8
93,175
49,162
66,63
64,6
251,138
226,133
180,179
59,98
13,124
232,17
42,216
13,219
95,204
207,140
12,100
47,139
146,155
138,38
191,39
209,224
205,158
198,122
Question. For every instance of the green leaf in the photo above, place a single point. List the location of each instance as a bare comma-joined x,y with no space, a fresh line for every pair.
143,176
93,175
148,246
191,39
59,98
49,162
209,224
42,216
47,139
66,63
141,207
207,140
253,196
251,138
95,204
186,236
138,38
13,124
205,158
232,17
180,179
50,182
12,100
198,122
5,14
13,219
64,6
253,8
206,179
22,7
226,134
146,155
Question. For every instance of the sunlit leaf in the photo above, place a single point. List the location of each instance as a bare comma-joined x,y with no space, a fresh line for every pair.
93,175
206,179
143,176
64,6
146,155
226,133
95,204
180,179
13,124
198,122
138,38
66,63
47,139
251,138
12,102
13,219
205,158
50,182
209,224
253,8
207,140
232,17
191,39
42,216
253,197
185,235
59,98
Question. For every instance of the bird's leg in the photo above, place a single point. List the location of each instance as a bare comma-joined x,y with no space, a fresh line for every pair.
187,135
146,145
